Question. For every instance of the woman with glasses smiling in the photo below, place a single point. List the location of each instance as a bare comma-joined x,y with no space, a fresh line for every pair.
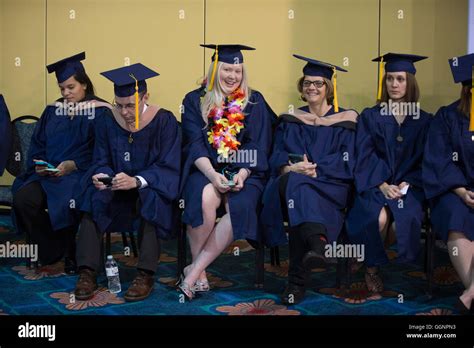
311,165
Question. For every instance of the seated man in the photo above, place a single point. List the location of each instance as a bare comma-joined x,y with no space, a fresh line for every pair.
135,174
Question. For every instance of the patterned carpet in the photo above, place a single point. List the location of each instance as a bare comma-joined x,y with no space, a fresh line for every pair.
48,291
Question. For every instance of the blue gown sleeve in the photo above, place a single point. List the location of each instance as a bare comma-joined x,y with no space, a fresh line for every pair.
279,157
339,165
102,160
370,170
258,137
440,172
194,146
164,174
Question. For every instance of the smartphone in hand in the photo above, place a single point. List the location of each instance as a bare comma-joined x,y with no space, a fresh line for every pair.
295,158
49,166
106,180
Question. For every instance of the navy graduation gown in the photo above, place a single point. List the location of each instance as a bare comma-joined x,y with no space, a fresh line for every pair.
58,138
5,134
256,136
381,158
448,164
321,199
155,155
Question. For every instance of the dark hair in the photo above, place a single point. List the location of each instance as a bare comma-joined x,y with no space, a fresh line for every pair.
83,79
412,92
466,100
329,89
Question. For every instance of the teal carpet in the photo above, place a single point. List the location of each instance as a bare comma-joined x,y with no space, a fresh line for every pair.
47,291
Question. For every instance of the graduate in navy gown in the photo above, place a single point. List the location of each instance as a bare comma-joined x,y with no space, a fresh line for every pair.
227,130
134,177
5,134
311,175
389,151
448,177
64,138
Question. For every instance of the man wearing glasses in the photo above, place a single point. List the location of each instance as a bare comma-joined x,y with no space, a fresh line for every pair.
135,178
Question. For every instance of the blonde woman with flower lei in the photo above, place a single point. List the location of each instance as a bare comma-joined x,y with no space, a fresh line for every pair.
227,130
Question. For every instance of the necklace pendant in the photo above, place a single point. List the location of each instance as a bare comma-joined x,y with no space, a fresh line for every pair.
130,139
399,138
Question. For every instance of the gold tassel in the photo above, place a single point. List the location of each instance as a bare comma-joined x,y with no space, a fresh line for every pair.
381,72
336,103
136,101
214,68
471,118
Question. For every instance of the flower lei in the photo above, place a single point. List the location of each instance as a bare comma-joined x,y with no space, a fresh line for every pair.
226,123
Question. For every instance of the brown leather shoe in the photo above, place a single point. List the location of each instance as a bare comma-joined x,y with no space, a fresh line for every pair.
141,287
86,284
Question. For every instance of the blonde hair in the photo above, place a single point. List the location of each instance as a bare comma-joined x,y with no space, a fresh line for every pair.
215,97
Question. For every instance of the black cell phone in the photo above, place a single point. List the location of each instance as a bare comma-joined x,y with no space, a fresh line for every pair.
295,158
107,180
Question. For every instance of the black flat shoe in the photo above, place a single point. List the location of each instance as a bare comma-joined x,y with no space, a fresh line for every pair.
70,266
293,294
461,307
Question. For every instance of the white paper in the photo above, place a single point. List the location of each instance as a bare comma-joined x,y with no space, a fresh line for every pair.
404,190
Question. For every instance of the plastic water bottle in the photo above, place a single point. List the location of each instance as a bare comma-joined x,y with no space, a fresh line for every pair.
111,269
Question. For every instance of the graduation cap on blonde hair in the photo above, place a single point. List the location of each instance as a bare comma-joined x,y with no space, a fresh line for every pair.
67,67
462,69
227,53
318,68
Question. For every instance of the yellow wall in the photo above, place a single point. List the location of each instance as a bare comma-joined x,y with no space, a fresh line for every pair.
165,35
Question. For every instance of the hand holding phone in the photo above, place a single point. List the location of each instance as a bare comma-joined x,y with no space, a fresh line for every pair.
106,180
295,158
49,167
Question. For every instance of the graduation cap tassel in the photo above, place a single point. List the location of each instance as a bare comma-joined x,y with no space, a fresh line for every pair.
471,118
214,68
381,70
336,103
136,101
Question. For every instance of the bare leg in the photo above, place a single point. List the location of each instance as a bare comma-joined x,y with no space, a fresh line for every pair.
219,239
373,280
211,200
461,252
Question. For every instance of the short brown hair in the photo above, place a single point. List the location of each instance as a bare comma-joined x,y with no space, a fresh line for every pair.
412,93
464,106
329,89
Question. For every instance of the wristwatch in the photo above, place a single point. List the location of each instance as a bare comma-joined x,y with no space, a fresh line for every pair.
139,182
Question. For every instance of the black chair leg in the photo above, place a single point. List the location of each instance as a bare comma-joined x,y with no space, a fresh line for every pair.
133,243
107,244
181,250
277,256
430,261
259,266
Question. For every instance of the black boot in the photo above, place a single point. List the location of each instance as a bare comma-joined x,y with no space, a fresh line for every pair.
297,275
314,236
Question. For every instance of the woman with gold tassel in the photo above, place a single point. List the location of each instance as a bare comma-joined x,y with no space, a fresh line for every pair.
227,134
311,175
389,149
448,177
